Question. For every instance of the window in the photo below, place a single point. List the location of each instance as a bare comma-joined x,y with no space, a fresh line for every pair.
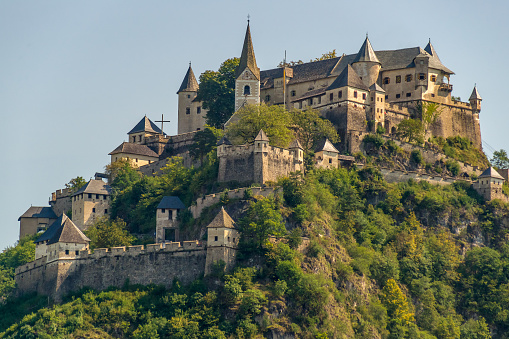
188,96
198,110
387,81
340,94
398,96
355,94
188,110
215,238
228,239
363,96
77,252
106,211
163,210
310,101
432,95
386,97
331,96
97,196
136,159
139,138
267,98
300,104
66,252
422,76
330,160
170,215
408,95
292,93
134,138
247,90
372,99
93,210
319,100
408,77
398,79
433,78
89,195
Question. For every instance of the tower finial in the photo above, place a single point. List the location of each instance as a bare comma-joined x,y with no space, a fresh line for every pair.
248,17
366,35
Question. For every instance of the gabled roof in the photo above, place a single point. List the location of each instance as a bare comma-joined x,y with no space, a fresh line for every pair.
135,149
189,84
376,87
490,172
431,50
262,136
224,141
295,144
326,145
222,219
247,58
348,78
475,95
366,53
171,203
145,125
63,230
95,187
39,212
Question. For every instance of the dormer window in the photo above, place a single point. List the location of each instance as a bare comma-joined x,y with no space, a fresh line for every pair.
247,90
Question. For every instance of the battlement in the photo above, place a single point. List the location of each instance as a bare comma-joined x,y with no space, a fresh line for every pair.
59,194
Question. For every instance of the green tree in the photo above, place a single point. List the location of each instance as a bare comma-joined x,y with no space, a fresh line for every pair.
411,130
121,174
204,142
329,55
500,159
75,184
12,257
310,128
430,112
217,92
106,233
396,303
262,220
274,120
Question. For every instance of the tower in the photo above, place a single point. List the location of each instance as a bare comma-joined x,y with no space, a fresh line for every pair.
190,115
475,101
222,241
366,64
298,155
247,75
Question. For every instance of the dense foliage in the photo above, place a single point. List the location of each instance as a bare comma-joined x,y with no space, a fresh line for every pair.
12,257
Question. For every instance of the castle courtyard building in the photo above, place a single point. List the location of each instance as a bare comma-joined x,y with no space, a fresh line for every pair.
90,203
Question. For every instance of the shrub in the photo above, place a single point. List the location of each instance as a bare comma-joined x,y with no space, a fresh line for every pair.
391,147
453,167
375,139
416,157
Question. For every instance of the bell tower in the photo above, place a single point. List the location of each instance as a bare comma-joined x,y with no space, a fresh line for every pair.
247,75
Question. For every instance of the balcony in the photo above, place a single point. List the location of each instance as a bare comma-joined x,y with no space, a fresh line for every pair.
445,87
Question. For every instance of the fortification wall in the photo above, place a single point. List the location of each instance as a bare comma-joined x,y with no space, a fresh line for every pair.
211,199
277,163
237,163
60,201
392,175
102,268
155,167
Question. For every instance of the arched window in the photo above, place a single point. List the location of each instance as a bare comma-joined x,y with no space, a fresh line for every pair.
247,90
387,81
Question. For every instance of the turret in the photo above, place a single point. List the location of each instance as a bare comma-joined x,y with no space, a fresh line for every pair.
366,64
298,154
475,101
222,241
221,146
190,115
261,142
247,83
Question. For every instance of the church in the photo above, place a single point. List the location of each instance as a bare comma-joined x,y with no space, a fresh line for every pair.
359,93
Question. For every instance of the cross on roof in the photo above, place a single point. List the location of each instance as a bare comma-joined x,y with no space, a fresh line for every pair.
162,121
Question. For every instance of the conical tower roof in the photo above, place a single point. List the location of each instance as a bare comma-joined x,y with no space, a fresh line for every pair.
262,136
224,141
295,144
145,125
247,58
222,219
475,95
366,53
431,51
189,84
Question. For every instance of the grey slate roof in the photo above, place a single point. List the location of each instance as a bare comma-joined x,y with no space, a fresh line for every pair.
348,78
63,230
145,125
224,141
295,144
404,58
366,53
262,136
490,172
136,149
475,95
247,58
222,219
39,212
431,50
326,145
95,187
376,87
189,84
311,94
171,203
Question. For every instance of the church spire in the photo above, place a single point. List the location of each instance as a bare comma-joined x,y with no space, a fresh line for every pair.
366,53
247,58
189,84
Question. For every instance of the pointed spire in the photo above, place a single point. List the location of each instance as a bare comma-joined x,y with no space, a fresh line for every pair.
189,84
327,146
295,144
262,136
222,219
366,53
224,141
475,94
431,50
247,58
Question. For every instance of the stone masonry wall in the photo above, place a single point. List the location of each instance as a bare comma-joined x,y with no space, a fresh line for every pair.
278,163
60,201
238,164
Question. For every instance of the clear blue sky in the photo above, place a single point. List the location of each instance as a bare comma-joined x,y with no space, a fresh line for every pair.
76,76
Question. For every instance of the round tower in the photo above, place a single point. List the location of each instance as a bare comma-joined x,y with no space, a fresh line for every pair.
366,64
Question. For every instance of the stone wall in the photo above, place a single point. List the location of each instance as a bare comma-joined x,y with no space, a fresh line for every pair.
392,175
237,164
102,268
211,199
60,201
